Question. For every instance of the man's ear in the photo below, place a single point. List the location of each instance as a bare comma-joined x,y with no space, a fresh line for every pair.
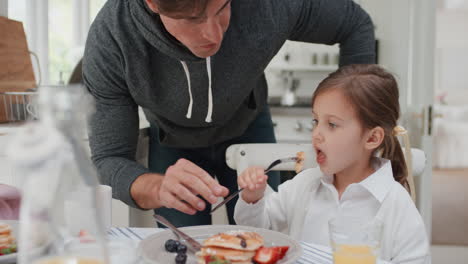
374,138
152,5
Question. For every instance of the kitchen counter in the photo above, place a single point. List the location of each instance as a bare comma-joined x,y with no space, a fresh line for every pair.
7,129
121,214
300,102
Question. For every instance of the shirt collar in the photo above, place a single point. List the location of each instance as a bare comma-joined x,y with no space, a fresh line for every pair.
378,183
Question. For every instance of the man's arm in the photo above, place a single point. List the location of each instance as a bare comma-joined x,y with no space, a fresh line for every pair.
334,21
113,128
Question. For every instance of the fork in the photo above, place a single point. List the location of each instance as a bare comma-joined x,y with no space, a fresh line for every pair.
269,168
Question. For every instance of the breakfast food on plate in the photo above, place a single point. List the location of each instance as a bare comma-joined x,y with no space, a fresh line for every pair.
238,247
7,241
175,246
270,255
299,162
242,240
233,255
181,258
215,260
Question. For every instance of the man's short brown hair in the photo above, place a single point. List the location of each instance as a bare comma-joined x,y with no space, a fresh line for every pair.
181,8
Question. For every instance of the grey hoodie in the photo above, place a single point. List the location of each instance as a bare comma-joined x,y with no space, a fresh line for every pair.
131,60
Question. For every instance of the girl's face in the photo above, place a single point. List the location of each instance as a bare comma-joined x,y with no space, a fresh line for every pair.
338,137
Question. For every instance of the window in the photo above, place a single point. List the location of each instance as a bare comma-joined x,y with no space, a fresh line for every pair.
56,31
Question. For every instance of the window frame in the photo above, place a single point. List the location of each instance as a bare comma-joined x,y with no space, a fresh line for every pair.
4,8
36,24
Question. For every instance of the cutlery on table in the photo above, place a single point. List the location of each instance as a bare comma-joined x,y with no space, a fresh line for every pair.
273,164
192,244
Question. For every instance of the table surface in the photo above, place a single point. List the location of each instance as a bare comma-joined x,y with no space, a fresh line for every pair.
312,254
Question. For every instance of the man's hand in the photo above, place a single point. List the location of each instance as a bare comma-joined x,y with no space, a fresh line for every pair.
177,189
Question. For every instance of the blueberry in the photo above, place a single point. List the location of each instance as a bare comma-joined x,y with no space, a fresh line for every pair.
182,248
171,245
181,258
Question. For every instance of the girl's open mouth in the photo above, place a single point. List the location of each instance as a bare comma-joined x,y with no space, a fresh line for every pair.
321,157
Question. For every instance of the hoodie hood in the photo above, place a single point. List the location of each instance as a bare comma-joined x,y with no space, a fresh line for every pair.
151,28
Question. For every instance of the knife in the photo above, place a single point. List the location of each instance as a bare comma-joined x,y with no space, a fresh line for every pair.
192,244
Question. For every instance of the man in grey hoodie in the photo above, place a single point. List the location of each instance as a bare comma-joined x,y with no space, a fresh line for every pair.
196,67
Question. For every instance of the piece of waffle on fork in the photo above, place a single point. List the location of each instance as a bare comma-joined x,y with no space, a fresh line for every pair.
300,156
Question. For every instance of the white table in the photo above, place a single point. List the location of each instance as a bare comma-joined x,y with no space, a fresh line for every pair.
313,254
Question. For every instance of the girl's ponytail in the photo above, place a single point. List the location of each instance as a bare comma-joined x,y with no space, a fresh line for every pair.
401,164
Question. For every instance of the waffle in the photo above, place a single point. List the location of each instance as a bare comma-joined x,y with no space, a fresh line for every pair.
6,236
237,247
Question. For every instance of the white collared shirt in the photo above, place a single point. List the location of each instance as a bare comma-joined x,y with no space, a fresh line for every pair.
303,206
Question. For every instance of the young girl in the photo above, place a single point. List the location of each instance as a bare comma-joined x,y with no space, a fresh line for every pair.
362,170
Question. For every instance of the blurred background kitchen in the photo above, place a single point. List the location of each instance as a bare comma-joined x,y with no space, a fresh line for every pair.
423,42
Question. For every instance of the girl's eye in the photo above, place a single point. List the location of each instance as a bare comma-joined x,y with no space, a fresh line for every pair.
332,125
314,122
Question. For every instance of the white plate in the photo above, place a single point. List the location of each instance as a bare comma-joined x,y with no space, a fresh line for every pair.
10,258
152,248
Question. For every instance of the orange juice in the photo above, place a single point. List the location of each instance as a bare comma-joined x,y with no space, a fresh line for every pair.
347,254
69,260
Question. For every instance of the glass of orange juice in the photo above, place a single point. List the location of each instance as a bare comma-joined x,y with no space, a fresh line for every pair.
355,240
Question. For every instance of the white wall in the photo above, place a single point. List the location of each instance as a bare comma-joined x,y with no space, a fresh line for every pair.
392,20
4,8
452,55
452,4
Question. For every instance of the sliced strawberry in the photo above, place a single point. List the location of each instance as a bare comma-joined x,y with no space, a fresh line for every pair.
266,255
270,255
282,251
210,258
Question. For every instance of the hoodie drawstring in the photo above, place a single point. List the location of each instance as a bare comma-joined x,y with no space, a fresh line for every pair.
208,118
210,94
187,75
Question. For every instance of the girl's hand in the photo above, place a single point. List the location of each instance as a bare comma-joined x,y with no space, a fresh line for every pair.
254,181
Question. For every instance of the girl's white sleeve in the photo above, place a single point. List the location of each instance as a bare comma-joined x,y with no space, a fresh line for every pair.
271,211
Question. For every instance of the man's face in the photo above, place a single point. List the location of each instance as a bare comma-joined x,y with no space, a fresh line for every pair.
203,33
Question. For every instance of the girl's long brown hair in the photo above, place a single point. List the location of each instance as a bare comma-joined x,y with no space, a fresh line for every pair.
373,92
